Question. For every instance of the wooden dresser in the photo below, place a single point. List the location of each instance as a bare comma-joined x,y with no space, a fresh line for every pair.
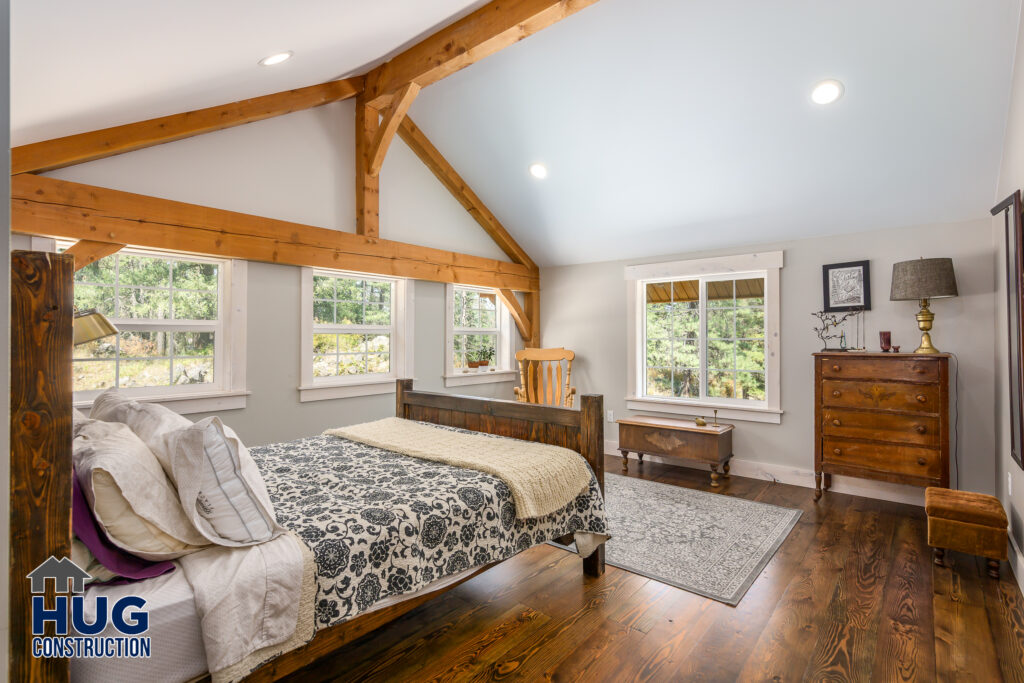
881,416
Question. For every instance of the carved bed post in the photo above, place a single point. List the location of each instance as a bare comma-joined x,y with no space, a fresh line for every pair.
592,448
401,386
41,318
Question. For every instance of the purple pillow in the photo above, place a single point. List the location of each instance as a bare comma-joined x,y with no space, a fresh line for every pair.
88,530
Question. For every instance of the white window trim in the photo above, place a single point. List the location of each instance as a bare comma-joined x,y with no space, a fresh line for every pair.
230,353
402,347
769,264
506,356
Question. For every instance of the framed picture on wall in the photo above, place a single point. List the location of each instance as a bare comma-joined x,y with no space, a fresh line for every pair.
847,286
1014,216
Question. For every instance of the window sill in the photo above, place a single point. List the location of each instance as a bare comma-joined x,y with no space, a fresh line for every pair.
327,392
186,404
706,409
468,378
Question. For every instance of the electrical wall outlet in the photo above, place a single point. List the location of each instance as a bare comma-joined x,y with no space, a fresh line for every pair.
611,416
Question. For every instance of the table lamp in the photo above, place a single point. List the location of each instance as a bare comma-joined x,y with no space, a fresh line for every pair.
921,280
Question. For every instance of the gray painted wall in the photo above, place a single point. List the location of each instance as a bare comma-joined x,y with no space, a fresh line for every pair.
273,412
583,308
299,168
1011,178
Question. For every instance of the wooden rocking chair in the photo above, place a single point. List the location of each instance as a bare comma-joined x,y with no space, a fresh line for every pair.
540,377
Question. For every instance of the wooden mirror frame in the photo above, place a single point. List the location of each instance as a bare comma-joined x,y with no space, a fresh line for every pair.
1013,212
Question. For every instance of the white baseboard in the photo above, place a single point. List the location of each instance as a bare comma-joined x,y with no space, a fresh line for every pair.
1016,560
796,476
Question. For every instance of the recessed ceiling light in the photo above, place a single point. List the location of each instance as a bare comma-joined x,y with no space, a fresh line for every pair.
539,171
276,58
827,92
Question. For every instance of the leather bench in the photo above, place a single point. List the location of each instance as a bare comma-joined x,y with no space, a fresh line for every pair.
967,522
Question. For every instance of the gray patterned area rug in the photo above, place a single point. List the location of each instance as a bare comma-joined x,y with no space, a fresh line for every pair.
706,543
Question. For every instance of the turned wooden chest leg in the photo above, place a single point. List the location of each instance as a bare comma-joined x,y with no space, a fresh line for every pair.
625,459
714,476
725,469
993,568
826,481
817,485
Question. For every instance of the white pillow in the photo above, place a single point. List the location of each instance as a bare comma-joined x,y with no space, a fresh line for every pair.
149,421
129,493
219,484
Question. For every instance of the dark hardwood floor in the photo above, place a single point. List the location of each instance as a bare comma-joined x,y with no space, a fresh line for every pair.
852,595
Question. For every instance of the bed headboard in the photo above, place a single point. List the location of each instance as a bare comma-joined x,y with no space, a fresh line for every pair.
579,430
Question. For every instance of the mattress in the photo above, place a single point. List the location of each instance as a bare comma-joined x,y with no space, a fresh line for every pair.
177,643
177,652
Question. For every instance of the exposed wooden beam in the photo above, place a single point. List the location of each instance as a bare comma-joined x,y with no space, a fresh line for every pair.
61,209
89,251
493,27
75,149
533,314
508,297
367,185
389,126
439,166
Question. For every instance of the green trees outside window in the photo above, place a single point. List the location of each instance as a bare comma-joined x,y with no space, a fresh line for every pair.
352,325
167,309
705,338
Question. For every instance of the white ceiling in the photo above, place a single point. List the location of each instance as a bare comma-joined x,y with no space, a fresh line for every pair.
78,65
667,126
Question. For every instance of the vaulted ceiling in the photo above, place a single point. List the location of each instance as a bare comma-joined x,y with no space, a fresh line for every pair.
666,126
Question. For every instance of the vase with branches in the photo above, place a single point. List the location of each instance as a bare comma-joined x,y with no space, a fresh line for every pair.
829,324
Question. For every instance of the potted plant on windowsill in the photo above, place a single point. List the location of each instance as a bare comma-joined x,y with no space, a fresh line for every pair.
486,356
473,360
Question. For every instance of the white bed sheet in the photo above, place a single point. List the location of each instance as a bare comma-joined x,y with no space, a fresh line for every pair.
177,642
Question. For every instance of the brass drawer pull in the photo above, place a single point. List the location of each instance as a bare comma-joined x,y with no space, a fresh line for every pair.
921,398
922,461
836,393
920,429
837,451
835,368
836,423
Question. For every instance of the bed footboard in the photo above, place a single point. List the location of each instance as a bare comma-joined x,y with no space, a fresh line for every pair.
579,430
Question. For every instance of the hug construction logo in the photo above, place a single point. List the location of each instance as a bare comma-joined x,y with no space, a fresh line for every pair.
127,616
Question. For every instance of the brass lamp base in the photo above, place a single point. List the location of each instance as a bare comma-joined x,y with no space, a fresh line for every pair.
924,323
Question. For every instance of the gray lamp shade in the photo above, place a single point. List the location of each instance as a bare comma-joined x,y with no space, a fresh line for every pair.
926,278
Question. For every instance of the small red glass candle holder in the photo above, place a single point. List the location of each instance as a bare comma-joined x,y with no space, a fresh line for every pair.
885,341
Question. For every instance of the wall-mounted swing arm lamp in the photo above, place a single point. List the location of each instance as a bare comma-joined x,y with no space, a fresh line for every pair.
91,325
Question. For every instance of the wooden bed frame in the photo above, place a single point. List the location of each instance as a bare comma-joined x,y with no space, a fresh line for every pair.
41,458
579,430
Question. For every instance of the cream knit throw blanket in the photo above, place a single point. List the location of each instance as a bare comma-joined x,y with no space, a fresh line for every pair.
543,479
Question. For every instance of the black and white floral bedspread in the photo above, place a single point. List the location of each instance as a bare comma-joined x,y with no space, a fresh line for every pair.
382,524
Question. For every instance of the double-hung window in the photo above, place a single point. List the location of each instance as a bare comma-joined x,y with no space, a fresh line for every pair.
705,336
479,344
354,333
177,339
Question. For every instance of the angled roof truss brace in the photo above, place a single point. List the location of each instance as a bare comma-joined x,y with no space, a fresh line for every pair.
106,219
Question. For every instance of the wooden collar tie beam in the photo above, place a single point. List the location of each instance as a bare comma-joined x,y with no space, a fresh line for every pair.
104,220
66,210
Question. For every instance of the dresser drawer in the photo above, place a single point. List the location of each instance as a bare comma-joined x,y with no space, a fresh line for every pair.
921,430
913,460
895,368
922,398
